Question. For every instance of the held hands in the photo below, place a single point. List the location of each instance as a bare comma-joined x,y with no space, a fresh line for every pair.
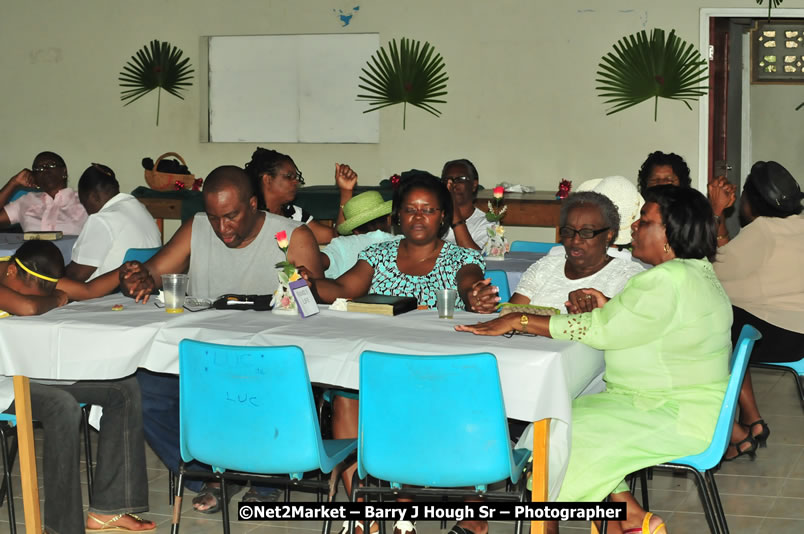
496,327
136,282
722,194
483,297
345,177
24,178
585,300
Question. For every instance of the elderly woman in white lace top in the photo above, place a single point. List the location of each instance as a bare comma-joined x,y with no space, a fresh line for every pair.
589,225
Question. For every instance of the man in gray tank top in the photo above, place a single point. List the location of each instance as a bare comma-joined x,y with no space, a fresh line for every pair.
229,249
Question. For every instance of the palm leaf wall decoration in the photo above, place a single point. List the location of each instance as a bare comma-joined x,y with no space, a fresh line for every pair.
643,67
410,73
159,67
771,4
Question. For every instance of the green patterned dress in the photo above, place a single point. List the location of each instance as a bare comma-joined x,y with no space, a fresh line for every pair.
667,343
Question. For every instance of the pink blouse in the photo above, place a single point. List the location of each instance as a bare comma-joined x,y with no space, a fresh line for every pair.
39,212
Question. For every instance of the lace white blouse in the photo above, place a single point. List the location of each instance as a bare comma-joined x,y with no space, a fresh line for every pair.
545,283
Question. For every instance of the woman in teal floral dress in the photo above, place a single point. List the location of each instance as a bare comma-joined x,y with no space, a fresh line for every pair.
422,262
416,266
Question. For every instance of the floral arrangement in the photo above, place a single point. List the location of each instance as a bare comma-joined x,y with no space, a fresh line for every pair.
178,185
283,299
492,215
564,187
497,245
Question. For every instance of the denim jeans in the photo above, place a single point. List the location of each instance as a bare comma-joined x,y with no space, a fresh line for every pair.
121,482
160,413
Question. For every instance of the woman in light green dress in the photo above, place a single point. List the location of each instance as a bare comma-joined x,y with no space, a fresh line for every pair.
667,343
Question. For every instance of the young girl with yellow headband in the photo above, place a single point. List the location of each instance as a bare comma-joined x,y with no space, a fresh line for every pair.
30,284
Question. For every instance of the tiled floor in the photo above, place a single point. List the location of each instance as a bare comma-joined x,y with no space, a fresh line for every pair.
761,496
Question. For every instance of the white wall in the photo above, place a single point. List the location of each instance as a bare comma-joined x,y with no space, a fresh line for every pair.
521,103
776,128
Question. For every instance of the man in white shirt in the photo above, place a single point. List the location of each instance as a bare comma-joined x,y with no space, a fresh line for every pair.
117,222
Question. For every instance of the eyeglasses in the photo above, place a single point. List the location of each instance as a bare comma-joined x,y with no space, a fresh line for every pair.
42,167
297,176
103,168
456,179
425,212
586,233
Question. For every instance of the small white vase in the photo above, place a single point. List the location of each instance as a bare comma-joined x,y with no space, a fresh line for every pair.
283,301
496,247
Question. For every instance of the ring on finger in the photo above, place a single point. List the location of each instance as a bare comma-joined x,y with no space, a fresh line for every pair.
588,297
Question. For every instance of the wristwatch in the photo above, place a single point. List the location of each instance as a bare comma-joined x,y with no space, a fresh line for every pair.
462,221
523,322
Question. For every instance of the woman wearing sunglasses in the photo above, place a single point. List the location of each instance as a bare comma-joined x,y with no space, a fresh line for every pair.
589,225
276,180
54,207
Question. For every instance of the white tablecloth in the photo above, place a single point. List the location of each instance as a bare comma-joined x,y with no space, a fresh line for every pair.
87,340
9,242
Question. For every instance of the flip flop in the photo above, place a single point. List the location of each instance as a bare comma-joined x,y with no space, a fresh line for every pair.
660,529
109,526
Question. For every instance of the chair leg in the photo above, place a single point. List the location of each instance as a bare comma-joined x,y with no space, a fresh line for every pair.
171,486
174,529
225,506
87,449
643,482
7,466
709,509
715,497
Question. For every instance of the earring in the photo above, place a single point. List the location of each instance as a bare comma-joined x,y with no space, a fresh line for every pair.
666,248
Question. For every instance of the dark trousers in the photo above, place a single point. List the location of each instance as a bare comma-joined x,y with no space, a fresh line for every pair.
121,481
776,345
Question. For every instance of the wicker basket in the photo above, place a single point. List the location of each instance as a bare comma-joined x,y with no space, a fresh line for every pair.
165,181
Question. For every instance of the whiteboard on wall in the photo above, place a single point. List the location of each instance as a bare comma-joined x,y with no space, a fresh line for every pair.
290,88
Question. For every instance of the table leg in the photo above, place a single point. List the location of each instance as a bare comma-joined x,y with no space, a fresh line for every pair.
541,438
25,441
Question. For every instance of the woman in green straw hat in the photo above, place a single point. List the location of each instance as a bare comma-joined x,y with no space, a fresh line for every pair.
366,222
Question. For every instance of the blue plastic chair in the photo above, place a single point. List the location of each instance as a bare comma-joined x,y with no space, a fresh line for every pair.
140,254
794,368
20,193
247,411
702,465
443,426
7,423
500,279
533,246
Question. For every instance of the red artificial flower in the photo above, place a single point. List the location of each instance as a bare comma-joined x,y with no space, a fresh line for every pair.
178,185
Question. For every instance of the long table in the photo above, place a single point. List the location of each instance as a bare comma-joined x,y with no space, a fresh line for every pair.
87,340
10,241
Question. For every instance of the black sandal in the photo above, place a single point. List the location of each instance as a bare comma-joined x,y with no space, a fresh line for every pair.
750,451
762,437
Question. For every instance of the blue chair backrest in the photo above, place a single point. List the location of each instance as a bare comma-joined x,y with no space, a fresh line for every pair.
140,254
532,246
500,279
797,366
432,420
21,192
247,409
739,361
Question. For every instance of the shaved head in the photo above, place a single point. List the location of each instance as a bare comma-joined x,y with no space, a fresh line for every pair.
226,177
